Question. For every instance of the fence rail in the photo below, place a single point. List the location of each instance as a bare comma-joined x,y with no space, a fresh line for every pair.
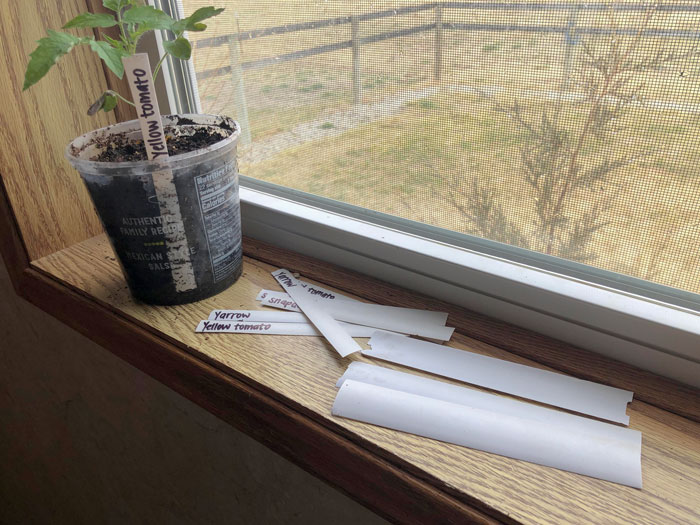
494,6
570,30
453,26
315,24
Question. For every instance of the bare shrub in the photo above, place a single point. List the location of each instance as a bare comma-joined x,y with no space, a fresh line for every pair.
566,158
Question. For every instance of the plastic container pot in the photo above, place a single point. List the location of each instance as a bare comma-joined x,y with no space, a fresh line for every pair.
175,223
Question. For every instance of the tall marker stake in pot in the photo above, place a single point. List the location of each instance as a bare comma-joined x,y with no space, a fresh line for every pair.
138,72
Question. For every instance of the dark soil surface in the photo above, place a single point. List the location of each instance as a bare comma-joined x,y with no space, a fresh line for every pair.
119,148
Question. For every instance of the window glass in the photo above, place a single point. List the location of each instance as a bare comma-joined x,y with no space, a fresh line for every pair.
566,128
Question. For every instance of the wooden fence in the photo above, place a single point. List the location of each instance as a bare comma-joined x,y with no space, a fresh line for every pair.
571,31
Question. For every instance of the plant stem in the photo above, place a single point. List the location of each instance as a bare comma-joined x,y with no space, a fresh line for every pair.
157,69
114,93
121,26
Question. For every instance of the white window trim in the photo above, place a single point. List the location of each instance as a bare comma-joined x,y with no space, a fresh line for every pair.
644,332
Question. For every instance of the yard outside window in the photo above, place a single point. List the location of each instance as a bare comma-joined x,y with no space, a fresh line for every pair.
564,128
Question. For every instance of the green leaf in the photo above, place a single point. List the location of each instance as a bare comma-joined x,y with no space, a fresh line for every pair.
179,48
47,53
114,5
111,56
110,103
113,42
192,22
106,102
147,18
92,20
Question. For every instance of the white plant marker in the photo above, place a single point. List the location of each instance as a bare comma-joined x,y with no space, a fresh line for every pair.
138,72
276,328
280,300
283,301
265,316
329,327
424,323
426,387
264,294
396,319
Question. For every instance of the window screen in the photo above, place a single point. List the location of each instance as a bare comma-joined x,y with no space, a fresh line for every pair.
565,128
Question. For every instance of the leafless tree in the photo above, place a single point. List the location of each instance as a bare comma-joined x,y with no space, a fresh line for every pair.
571,191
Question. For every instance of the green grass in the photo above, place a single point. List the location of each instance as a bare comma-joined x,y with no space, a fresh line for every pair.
310,88
426,103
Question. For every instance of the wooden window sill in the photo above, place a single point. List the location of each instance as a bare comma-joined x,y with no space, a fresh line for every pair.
280,390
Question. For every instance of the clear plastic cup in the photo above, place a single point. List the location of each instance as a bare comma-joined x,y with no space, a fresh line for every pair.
169,258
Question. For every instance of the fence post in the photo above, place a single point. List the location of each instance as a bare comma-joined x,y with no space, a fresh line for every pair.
437,73
356,70
570,40
238,90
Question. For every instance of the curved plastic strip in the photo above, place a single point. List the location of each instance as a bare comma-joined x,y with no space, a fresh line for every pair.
424,323
552,445
552,388
423,386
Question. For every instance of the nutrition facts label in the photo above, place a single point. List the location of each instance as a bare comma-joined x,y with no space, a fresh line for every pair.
218,201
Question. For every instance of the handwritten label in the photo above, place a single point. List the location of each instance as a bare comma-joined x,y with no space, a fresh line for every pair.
231,315
213,326
277,300
265,294
143,93
283,301
285,304
315,291
273,328
314,310
262,294
258,316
